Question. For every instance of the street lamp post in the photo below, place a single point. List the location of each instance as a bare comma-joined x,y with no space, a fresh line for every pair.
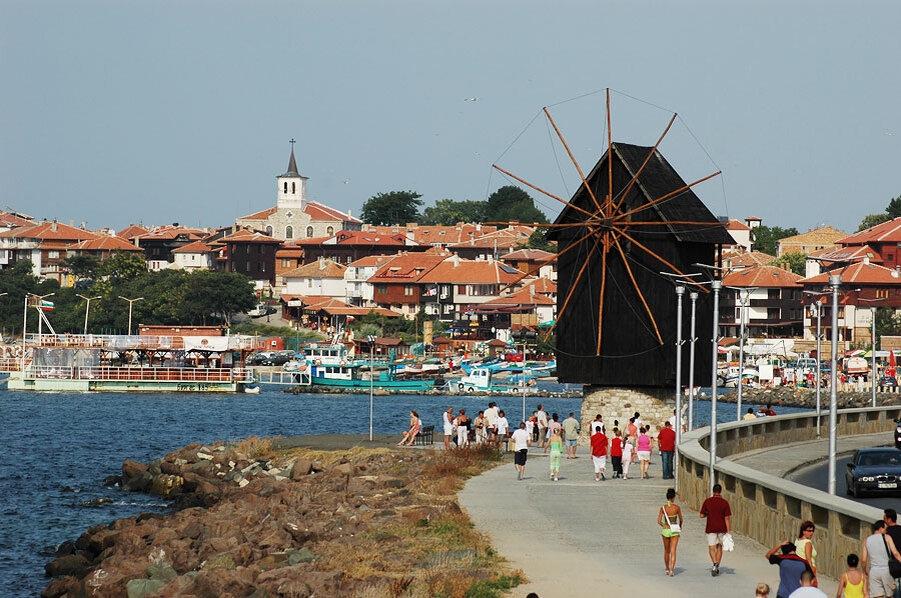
835,281
872,303
87,310
716,285
130,303
371,339
744,294
819,381
691,363
680,291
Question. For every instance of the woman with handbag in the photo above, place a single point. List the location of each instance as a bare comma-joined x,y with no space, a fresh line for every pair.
804,547
670,521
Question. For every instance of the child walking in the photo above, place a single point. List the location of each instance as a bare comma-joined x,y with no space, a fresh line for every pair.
852,581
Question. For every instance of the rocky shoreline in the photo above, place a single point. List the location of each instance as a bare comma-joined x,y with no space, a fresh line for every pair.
381,392
789,396
250,519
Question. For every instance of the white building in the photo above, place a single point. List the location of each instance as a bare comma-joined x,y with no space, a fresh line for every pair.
358,289
322,278
194,256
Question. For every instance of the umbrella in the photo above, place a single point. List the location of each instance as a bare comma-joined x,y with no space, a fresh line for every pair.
891,363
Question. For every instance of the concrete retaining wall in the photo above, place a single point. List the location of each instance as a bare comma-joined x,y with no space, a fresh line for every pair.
770,509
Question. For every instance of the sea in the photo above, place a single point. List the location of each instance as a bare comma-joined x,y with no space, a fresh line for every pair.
58,448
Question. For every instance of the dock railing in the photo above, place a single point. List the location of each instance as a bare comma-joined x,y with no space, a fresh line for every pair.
141,374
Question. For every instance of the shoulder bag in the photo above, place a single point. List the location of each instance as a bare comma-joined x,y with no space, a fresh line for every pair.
673,525
894,565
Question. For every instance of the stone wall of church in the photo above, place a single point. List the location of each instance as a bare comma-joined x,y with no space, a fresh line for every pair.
299,222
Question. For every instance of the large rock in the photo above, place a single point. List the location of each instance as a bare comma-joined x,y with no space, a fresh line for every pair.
165,484
131,468
139,588
71,564
301,468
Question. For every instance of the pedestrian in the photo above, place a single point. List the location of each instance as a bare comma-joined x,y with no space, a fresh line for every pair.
749,414
762,411
644,451
541,418
631,429
598,424
719,519
522,440
628,456
666,443
415,427
571,430
491,422
804,545
875,553
763,591
791,566
637,418
616,453
672,422
503,429
852,581
530,427
599,453
448,427
462,429
670,521
554,424
556,446
769,410
479,425
808,587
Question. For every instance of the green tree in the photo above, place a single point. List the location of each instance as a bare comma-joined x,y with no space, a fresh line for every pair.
447,212
394,207
871,220
765,237
796,260
512,203
894,207
887,323
538,240
82,267
123,266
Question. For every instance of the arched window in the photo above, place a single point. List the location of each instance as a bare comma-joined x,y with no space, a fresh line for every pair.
286,186
289,232
269,231
293,188
330,231
309,232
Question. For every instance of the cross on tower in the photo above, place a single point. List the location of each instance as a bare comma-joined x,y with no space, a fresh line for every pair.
292,142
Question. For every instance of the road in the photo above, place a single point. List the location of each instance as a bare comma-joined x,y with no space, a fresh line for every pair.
815,477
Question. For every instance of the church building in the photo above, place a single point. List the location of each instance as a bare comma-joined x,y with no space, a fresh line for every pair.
294,216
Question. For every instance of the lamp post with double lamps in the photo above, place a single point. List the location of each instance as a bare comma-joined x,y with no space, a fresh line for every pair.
744,295
819,313
130,303
87,310
873,308
691,362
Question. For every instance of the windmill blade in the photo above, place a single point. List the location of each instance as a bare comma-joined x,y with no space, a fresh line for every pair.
573,286
540,190
637,289
657,257
601,296
545,261
625,193
573,158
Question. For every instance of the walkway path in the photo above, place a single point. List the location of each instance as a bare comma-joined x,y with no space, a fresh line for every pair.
578,537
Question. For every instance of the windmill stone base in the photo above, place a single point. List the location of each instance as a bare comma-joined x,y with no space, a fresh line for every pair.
655,405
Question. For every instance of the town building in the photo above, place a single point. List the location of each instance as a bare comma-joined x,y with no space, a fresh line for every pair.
398,285
493,244
832,257
534,261
101,248
250,253
159,243
44,244
883,239
287,257
195,256
435,235
740,258
322,278
296,217
812,240
773,307
740,232
454,286
499,317
348,246
358,290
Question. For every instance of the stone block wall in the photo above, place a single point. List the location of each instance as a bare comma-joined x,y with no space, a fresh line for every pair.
654,404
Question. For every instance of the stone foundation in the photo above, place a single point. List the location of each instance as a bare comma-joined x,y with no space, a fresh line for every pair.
654,404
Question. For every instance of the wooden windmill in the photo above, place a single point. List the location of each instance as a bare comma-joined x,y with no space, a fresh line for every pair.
631,218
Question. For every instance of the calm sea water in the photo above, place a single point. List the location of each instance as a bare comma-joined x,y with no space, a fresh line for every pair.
58,447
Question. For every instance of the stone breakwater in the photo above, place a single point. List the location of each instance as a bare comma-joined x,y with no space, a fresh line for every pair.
296,523
790,396
438,392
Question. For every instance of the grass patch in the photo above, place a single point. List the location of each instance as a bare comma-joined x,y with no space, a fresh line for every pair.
492,588
255,448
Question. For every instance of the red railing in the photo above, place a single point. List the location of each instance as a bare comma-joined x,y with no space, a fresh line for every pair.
142,374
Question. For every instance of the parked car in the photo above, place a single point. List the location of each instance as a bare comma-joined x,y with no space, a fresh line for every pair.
874,470
277,359
261,310
888,381
258,358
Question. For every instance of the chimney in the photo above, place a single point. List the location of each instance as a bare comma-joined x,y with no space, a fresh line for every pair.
349,214
456,260
321,263
53,226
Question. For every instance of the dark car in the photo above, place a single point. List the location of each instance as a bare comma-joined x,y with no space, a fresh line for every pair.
887,381
277,359
874,470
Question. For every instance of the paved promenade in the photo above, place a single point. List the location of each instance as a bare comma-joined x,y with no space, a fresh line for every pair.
578,537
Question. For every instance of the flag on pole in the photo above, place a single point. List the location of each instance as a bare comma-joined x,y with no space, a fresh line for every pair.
46,305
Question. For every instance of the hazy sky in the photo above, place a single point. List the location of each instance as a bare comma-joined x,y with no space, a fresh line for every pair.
117,112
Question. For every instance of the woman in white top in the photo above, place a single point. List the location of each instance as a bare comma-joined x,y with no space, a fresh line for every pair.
448,427
503,427
628,456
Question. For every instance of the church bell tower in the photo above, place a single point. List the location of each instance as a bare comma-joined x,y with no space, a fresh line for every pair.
292,186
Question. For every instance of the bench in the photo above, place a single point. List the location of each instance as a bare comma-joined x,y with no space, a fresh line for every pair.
426,435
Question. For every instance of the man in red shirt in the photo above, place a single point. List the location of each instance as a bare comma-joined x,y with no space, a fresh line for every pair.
666,441
599,453
719,520
616,453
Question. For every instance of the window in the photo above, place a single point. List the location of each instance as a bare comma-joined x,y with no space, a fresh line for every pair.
286,263
309,232
461,289
286,186
293,188
52,254
289,232
269,231
309,283
408,290
330,231
381,289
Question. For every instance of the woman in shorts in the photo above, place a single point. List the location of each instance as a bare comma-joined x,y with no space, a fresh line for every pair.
415,427
556,446
670,521
644,451
628,456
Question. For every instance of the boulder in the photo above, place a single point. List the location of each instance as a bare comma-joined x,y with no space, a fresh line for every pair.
164,484
301,468
344,469
112,480
139,483
131,468
162,572
61,586
170,468
71,564
139,588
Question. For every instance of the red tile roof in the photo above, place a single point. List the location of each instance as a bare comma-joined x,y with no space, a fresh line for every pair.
435,235
317,269
860,273
49,231
348,237
370,260
737,225
336,307
318,211
511,236
534,255
543,285
741,259
406,267
171,232
261,215
887,232
104,244
852,252
455,270
521,297
12,221
248,236
133,230
762,277
195,247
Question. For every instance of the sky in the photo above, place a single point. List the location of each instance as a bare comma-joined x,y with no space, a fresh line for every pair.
116,112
